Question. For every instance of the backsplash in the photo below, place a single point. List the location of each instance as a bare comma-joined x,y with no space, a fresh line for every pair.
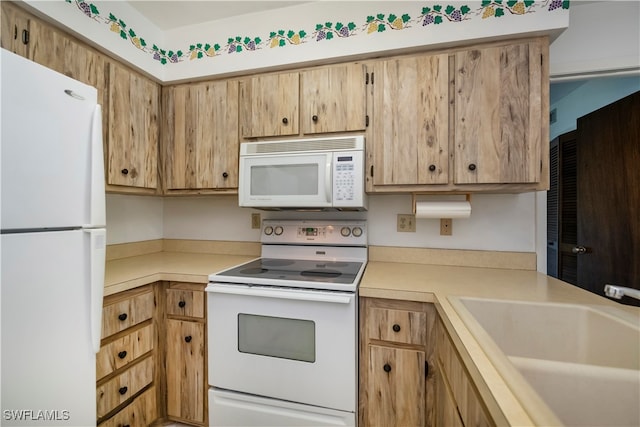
500,222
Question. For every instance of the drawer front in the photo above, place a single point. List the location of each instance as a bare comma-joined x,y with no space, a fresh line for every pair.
141,413
120,388
123,351
401,326
124,314
184,302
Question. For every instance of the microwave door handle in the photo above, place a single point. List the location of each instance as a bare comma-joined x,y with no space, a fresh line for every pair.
328,189
315,296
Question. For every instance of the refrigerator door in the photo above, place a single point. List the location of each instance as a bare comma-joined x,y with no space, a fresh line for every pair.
48,358
51,149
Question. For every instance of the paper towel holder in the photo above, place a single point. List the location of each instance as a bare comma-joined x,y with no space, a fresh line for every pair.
432,193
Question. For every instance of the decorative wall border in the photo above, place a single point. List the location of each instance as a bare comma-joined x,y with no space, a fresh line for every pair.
428,17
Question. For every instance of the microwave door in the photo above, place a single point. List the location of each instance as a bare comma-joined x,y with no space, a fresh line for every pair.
286,181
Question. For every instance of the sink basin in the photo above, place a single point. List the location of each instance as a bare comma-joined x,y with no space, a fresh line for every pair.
582,362
584,395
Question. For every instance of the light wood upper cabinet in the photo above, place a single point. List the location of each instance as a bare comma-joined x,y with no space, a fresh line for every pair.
200,135
334,99
499,121
132,147
314,101
14,29
410,121
269,105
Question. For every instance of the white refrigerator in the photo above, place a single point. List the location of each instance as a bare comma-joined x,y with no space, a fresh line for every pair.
52,249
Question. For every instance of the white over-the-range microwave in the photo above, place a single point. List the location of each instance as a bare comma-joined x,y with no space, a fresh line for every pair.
314,174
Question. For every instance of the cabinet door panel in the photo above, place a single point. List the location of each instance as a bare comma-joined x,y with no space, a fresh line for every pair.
395,397
185,370
498,114
201,135
334,99
14,22
411,127
133,129
269,105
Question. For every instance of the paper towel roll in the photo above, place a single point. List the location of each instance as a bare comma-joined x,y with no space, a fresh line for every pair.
443,209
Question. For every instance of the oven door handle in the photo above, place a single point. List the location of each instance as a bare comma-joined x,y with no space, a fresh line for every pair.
302,295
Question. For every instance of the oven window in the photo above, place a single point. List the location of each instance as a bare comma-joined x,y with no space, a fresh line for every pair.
292,339
284,180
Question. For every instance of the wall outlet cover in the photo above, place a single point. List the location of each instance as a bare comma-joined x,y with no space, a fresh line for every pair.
406,223
255,220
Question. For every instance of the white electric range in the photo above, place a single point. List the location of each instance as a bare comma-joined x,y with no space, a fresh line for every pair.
282,328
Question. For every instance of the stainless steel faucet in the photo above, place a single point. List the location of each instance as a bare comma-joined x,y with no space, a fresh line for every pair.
618,292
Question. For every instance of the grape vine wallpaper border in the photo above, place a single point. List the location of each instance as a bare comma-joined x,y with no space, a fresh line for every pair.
377,23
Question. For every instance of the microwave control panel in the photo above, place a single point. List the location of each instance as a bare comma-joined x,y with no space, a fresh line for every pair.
348,178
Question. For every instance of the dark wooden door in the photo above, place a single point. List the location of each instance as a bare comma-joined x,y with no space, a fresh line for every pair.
609,197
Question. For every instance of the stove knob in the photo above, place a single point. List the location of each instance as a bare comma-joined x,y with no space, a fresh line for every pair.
345,231
278,230
357,232
268,230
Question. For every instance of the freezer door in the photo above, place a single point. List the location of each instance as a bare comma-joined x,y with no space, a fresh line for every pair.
51,149
48,360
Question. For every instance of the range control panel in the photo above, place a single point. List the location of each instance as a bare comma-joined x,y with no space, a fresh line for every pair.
346,232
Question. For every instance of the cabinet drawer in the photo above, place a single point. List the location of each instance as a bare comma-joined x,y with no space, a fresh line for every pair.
401,326
121,315
124,350
185,302
141,413
119,389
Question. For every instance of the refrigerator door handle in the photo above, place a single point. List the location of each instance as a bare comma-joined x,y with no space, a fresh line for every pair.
97,251
97,213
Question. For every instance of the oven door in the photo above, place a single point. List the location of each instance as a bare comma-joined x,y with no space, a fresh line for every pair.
290,344
286,181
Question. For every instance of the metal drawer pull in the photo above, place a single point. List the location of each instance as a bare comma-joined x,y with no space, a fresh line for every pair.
181,304
122,354
123,390
396,328
123,317
387,367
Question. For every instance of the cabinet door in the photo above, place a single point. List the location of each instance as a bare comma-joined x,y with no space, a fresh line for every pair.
410,126
269,105
133,129
186,382
446,413
396,387
498,122
14,29
201,135
334,99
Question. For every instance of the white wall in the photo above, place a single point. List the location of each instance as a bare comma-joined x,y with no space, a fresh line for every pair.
133,218
498,222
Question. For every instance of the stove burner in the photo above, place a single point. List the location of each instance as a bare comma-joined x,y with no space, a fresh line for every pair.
321,273
254,270
276,262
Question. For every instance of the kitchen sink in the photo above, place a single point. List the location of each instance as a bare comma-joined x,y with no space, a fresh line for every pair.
583,362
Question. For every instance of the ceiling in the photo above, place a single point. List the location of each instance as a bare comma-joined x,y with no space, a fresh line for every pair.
167,15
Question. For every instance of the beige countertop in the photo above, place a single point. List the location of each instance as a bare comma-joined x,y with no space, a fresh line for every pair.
398,280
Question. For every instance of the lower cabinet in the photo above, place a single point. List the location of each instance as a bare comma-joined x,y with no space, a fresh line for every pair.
126,362
396,387
185,353
458,402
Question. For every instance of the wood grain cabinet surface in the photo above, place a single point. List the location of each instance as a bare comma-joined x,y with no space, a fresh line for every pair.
307,102
126,365
395,355
186,353
132,145
200,136
499,119
464,119
458,402
410,121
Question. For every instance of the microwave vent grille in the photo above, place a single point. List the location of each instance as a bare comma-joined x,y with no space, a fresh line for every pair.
303,145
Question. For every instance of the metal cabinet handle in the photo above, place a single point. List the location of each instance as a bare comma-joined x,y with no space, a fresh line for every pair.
579,250
187,338
387,367
122,354
123,317
123,390
182,304
396,328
